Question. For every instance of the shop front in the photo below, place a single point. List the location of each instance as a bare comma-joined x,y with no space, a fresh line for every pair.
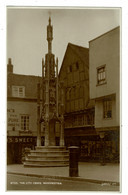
92,147
16,147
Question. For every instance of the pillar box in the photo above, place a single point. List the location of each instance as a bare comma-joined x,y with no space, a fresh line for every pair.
73,161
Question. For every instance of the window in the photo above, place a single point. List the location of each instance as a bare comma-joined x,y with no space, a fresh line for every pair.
107,108
24,122
101,75
18,91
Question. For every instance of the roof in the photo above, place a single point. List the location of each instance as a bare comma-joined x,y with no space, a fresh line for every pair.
28,81
118,27
81,52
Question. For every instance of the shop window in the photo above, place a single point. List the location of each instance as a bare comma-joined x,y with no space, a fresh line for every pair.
18,91
24,122
101,75
107,108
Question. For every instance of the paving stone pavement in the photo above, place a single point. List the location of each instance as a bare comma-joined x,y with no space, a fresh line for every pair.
89,171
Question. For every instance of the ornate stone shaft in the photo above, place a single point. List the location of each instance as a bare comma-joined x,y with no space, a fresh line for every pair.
50,115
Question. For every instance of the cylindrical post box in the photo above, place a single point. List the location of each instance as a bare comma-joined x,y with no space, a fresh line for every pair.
73,161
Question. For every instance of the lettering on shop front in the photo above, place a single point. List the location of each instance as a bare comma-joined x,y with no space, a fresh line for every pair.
13,120
19,139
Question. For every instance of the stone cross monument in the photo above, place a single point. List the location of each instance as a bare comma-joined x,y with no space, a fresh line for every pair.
51,114
50,104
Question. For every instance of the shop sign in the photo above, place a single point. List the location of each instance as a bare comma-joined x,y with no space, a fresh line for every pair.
22,139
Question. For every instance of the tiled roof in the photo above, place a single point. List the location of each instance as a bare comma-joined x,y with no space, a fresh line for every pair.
82,52
30,83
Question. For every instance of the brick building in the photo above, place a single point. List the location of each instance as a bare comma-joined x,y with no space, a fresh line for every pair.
21,113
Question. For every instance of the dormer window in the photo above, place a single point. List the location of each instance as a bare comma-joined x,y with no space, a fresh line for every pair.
18,91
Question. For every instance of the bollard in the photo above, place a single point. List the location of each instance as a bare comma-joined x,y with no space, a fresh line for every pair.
73,161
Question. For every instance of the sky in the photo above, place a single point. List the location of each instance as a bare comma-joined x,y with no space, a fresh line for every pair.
26,33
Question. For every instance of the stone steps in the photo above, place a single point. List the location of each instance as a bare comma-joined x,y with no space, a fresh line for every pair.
50,148
52,153
47,165
42,161
47,156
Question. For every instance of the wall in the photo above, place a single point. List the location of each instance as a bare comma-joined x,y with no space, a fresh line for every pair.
14,110
104,50
73,80
99,120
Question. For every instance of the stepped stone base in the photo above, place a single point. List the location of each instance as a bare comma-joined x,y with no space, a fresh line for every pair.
51,156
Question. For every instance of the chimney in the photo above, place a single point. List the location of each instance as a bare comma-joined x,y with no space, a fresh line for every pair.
9,66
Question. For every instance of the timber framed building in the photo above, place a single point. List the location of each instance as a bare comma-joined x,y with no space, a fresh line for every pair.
79,109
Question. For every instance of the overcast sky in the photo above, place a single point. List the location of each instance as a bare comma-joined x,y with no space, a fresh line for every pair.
26,33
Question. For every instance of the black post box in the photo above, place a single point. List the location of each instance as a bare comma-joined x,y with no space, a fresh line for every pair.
73,161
